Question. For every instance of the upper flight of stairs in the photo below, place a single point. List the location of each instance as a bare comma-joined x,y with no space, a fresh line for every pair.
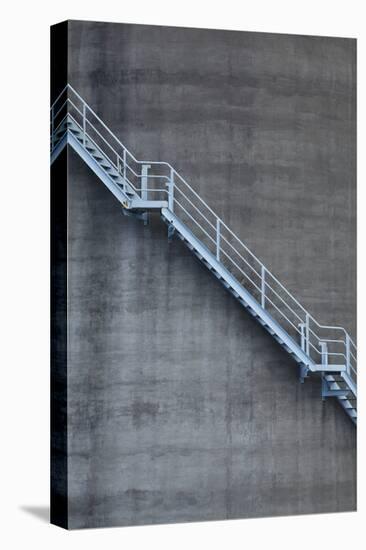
145,186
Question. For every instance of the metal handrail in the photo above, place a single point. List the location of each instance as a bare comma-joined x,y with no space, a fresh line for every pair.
136,189
174,180
195,221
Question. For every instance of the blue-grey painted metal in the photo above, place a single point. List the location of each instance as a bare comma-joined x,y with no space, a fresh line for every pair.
244,297
141,186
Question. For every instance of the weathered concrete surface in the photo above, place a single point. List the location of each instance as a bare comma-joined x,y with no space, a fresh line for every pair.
180,407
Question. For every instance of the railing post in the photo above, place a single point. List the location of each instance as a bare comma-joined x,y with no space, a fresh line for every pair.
144,180
171,191
307,334
302,333
124,163
348,355
144,188
218,236
263,287
84,123
52,125
324,351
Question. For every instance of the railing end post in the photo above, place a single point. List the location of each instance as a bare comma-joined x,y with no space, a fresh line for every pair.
348,354
171,191
324,352
144,179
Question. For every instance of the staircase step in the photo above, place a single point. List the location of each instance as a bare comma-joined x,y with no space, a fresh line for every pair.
331,368
337,380
335,385
60,131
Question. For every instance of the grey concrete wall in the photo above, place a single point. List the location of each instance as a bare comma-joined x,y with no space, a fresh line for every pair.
180,407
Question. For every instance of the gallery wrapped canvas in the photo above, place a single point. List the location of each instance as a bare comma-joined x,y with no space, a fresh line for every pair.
203,205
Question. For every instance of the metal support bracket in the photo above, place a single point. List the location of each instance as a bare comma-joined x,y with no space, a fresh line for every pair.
304,371
171,231
135,214
325,388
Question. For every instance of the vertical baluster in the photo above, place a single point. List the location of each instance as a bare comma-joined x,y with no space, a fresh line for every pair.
171,191
324,351
124,163
218,239
348,355
263,286
307,332
302,333
144,180
144,187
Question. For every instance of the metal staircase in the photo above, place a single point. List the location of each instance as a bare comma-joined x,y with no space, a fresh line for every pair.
143,186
